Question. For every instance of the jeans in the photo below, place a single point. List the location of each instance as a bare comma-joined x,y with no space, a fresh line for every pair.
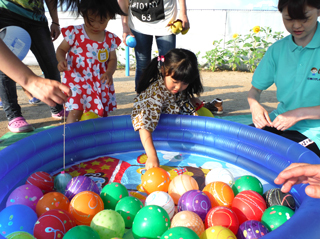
144,47
43,49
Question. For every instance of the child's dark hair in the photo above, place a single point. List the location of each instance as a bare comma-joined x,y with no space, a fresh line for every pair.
296,8
103,8
180,64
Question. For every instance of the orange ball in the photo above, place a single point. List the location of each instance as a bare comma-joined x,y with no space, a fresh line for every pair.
155,179
219,193
84,206
181,184
188,219
53,200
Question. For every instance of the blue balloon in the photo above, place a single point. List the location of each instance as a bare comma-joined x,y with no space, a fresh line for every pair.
131,41
17,217
61,181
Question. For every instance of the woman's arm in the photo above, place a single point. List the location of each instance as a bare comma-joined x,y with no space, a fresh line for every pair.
55,27
183,14
124,5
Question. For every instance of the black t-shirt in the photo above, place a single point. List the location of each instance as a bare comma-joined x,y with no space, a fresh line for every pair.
147,10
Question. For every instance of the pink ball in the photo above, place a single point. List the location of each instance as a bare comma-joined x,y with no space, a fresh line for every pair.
53,224
26,194
248,205
42,180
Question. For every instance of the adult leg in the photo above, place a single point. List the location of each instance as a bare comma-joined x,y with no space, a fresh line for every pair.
43,49
165,43
142,52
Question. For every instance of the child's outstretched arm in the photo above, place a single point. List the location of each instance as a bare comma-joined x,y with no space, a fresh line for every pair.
61,56
112,66
298,173
260,116
147,142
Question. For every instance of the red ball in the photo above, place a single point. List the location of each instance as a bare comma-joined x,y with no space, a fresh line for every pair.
53,224
248,205
42,180
222,216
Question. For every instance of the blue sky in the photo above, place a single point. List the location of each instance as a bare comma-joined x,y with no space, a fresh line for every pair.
233,4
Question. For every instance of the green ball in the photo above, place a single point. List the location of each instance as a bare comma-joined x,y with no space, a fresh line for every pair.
273,217
128,207
108,224
247,182
20,235
81,232
180,233
150,222
112,193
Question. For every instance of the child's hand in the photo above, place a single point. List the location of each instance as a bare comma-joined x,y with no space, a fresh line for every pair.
63,66
107,78
152,162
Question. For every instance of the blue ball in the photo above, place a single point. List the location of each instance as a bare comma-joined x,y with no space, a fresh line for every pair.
61,181
17,217
131,41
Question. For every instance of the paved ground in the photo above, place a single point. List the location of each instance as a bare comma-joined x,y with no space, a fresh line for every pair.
232,87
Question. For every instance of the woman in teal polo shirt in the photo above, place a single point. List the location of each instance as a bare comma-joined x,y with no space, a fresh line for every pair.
293,64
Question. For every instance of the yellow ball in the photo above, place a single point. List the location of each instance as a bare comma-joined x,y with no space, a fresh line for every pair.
88,115
218,232
204,112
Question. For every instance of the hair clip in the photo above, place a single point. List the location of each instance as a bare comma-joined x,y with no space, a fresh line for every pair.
161,58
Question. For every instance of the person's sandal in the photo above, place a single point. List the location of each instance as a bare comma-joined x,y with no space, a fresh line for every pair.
215,106
19,125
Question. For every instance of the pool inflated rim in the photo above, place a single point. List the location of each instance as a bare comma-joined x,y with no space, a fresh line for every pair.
262,153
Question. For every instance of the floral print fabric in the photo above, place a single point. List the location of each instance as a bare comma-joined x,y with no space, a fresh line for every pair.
154,101
87,61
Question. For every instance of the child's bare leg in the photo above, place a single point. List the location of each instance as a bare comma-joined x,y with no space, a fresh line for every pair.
74,116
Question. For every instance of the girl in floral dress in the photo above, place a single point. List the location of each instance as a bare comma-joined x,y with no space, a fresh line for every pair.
88,60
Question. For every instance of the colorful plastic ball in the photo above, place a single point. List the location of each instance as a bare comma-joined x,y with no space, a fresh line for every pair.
222,216
52,200
88,115
163,200
131,41
81,232
247,182
195,201
112,193
179,233
181,184
190,220
17,217
220,174
219,193
61,181
248,205
274,197
84,206
20,235
42,180
79,184
155,179
128,208
275,216
26,194
53,224
150,222
218,232
252,229
108,223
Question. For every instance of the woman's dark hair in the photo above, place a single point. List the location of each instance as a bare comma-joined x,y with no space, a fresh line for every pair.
103,8
180,64
296,8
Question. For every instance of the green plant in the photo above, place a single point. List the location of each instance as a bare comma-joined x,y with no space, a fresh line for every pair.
235,55
215,56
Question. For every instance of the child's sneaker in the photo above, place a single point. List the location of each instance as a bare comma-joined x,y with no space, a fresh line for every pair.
60,115
34,101
1,105
19,125
215,106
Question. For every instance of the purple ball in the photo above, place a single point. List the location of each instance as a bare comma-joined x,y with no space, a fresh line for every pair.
195,201
251,229
79,184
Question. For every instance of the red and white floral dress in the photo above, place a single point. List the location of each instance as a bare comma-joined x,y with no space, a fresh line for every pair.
87,61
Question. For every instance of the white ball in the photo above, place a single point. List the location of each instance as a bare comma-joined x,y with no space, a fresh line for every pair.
220,174
161,199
